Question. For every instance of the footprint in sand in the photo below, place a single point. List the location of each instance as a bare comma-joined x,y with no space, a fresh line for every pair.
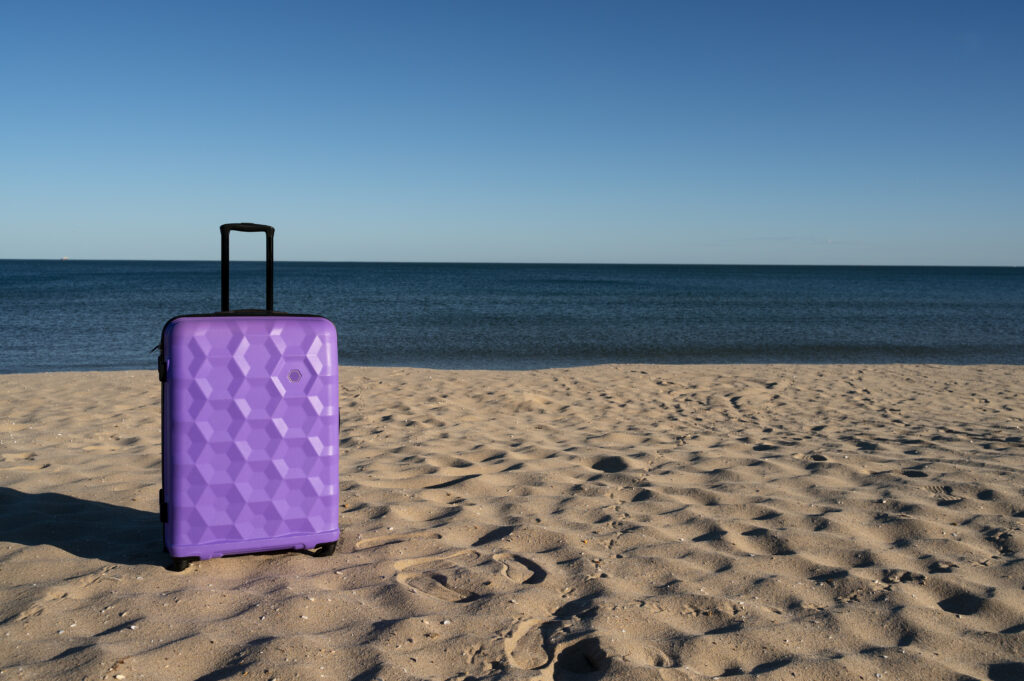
434,585
467,579
519,569
610,464
944,495
583,657
962,603
525,647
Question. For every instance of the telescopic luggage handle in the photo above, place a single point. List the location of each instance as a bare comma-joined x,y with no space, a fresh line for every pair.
225,260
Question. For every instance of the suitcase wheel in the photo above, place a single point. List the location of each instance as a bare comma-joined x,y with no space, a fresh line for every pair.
180,564
326,549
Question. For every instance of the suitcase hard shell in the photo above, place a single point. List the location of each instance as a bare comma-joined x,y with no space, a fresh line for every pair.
250,429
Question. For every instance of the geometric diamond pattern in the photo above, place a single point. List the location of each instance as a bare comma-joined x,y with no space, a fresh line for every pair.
251,432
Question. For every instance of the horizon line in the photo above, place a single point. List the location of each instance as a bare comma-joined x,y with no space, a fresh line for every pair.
506,263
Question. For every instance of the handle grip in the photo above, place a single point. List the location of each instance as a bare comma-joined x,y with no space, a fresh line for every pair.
225,261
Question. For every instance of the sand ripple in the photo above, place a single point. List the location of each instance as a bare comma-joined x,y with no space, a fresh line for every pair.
627,522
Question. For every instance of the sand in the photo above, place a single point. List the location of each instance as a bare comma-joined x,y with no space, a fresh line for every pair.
620,522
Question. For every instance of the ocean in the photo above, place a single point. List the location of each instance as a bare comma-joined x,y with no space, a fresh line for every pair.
102,315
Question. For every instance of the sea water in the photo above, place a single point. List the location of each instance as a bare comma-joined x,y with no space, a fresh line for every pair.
83,315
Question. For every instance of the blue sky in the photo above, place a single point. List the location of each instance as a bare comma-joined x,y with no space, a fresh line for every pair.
649,132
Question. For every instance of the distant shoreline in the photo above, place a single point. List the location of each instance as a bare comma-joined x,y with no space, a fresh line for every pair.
724,366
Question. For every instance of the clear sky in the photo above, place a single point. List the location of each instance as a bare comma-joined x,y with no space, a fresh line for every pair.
650,132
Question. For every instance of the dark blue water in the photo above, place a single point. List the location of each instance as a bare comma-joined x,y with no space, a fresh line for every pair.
58,316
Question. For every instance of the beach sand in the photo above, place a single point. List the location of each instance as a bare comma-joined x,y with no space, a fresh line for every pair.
619,522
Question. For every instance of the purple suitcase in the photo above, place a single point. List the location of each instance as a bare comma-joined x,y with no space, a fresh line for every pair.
250,428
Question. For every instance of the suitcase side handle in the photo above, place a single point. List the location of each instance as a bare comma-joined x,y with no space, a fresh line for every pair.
225,261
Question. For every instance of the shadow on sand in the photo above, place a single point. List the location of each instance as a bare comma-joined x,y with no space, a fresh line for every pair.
88,529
